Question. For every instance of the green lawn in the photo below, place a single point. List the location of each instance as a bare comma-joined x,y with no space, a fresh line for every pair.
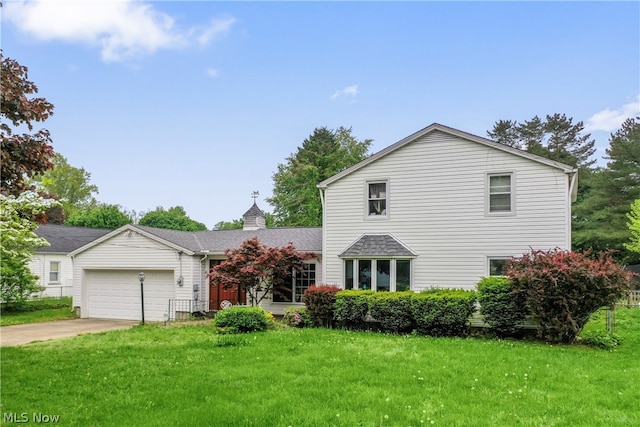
186,375
42,311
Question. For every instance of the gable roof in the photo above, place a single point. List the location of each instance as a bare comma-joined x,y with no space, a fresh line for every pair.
65,238
436,127
216,242
377,245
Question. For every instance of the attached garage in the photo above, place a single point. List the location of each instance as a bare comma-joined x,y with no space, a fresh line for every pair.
115,294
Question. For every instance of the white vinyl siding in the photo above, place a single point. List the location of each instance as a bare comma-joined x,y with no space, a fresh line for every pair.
134,252
439,209
40,265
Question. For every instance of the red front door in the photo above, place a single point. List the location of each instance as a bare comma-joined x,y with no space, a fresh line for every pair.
218,294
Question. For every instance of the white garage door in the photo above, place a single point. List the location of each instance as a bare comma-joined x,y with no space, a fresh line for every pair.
115,294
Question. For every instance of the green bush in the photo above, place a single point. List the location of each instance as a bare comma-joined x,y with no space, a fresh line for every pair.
36,305
599,338
443,312
320,301
352,307
242,319
392,310
297,317
504,309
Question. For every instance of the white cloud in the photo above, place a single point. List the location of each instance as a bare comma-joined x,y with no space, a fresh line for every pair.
351,91
212,72
610,120
121,29
217,28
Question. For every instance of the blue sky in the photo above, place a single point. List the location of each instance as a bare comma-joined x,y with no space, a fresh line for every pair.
196,103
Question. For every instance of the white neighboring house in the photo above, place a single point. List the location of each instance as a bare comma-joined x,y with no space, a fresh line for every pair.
441,208
52,264
175,264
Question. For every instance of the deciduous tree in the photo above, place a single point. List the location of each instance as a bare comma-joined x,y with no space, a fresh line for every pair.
174,218
26,154
634,227
18,243
68,184
324,153
100,216
258,269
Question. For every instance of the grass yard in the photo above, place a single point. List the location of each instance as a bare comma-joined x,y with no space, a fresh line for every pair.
43,311
186,375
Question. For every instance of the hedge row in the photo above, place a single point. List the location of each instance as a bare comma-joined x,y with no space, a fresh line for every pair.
438,312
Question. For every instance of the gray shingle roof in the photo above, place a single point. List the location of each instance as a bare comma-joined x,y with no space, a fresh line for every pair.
305,239
65,238
377,245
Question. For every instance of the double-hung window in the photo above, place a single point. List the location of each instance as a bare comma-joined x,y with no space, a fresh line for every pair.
500,197
54,272
377,198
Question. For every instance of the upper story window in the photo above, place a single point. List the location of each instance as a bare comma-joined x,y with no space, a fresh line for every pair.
500,193
54,271
377,198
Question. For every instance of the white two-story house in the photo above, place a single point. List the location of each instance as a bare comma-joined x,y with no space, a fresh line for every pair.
441,208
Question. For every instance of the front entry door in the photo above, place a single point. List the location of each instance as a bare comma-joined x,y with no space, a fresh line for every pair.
218,294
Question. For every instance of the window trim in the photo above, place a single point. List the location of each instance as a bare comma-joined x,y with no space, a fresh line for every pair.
367,199
512,192
294,279
373,279
57,272
495,258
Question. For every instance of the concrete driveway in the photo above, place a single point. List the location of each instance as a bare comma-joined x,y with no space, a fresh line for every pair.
23,334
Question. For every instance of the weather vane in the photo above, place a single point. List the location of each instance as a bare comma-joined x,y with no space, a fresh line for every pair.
255,195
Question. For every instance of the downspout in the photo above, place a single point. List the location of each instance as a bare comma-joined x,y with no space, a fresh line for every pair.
324,212
205,254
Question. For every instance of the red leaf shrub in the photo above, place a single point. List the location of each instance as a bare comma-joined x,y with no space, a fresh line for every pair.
320,301
563,288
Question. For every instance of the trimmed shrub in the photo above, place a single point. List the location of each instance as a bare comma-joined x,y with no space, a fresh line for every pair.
352,307
297,317
392,310
320,301
443,312
563,288
242,319
504,309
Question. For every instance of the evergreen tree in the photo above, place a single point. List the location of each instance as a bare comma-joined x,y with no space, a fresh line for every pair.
600,220
556,138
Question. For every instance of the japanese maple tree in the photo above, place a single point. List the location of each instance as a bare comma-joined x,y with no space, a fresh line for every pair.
23,154
258,269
